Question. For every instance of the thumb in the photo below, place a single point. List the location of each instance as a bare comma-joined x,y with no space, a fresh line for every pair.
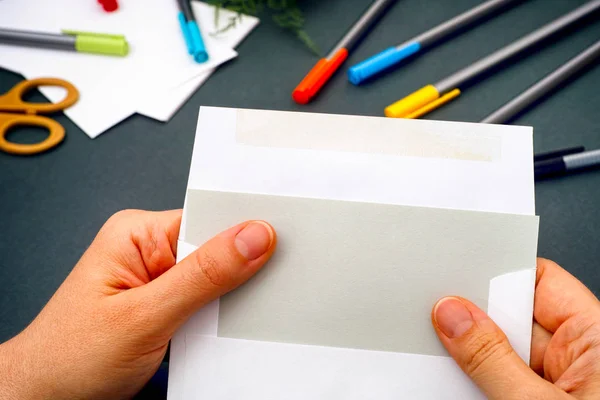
218,266
483,352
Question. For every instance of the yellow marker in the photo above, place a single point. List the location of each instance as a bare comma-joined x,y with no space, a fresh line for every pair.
419,103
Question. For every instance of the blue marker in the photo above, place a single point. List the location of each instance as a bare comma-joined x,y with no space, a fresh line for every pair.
191,32
381,61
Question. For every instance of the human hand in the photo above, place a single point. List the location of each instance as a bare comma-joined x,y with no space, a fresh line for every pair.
105,331
565,347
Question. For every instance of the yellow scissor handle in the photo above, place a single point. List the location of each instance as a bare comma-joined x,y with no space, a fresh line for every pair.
13,100
7,121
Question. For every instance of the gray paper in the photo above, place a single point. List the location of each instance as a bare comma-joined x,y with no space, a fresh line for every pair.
359,275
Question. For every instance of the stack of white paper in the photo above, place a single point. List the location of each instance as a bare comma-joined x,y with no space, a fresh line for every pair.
155,79
376,219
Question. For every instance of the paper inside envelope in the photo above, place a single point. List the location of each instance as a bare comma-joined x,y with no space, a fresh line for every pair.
360,275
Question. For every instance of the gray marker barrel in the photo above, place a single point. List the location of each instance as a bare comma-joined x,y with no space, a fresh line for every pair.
351,38
37,39
186,9
582,160
459,22
540,89
471,72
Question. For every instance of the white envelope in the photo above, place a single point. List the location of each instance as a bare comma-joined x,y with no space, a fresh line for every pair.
450,165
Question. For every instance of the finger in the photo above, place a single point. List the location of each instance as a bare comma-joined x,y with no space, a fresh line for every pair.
218,266
582,377
483,352
138,246
539,342
156,240
559,296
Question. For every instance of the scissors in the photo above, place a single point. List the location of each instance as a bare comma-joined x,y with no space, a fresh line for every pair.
14,111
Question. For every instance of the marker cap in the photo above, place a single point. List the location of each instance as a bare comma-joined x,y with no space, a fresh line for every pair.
99,43
109,5
317,76
412,102
199,51
381,61
193,39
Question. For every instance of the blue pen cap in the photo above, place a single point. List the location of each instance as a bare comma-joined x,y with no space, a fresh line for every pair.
199,52
193,39
373,65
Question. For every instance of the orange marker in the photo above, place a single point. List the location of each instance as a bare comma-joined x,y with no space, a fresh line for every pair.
322,71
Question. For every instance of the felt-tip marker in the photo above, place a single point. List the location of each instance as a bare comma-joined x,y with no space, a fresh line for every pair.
566,164
557,153
191,32
81,42
325,67
393,55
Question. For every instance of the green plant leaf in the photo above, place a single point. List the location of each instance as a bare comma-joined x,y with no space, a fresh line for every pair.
285,13
308,42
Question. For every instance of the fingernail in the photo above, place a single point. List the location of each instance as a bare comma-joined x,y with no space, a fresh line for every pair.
452,317
254,240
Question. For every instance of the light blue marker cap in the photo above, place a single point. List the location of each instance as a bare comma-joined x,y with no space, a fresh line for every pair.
193,39
373,65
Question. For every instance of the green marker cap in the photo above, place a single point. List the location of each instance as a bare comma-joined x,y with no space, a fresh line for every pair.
99,43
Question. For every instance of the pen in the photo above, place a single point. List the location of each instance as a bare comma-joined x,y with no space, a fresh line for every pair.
557,153
83,42
191,32
432,96
565,164
325,67
393,55
543,87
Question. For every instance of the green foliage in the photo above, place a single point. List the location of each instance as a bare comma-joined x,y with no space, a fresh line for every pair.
285,13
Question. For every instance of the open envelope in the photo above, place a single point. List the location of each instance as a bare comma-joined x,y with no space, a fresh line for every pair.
376,218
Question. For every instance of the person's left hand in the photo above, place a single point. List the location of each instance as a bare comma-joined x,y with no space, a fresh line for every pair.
106,330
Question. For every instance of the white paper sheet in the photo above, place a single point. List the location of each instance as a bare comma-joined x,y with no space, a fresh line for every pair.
162,105
211,367
110,87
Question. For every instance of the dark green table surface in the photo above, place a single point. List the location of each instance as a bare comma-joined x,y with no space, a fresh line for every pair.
52,205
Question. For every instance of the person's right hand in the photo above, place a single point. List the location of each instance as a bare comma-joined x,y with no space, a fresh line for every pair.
565,348
106,330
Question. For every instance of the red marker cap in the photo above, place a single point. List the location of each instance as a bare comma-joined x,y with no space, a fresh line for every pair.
317,76
109,5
